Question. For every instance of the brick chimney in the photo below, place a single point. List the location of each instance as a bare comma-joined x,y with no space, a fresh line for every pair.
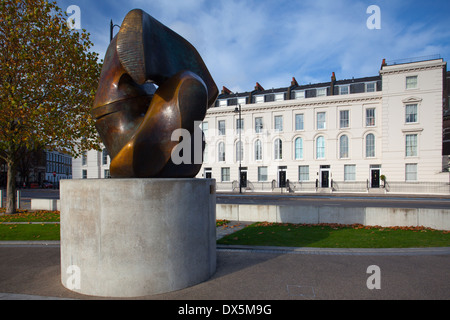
333,81
258,87
225,90
294,83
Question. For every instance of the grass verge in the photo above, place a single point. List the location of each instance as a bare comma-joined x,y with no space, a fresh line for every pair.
30,216
29,232
336,236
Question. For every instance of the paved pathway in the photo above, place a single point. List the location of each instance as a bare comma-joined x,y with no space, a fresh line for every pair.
31,271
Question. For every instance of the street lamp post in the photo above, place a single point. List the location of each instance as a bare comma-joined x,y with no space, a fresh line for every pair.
111,29
238,110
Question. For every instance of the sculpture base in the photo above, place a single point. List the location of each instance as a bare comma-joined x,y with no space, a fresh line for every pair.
136,237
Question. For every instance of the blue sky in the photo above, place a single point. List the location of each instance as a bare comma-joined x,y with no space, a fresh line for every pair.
270,41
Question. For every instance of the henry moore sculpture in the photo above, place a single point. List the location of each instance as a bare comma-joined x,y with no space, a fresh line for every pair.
144,234
134,119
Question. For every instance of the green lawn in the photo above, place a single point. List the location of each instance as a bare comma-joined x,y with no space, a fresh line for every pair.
29,216
334,236
257,234
29,232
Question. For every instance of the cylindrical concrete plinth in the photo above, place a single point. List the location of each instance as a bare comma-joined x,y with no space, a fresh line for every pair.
136,237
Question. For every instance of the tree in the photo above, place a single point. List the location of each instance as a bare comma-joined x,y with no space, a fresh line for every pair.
48,79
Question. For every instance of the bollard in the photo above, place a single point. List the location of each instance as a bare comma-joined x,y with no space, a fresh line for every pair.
18,199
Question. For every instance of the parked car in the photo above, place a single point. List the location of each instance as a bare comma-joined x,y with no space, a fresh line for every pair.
47,185
34,185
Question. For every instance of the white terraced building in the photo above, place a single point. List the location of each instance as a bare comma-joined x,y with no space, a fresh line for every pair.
343,135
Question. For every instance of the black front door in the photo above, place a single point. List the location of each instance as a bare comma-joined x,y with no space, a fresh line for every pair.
325,183
244,179
375,178
282,179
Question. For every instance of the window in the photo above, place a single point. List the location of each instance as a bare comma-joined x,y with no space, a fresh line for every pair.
411,145
223,103
321,92
84,174
221,151
298,148
343,90
411,113
242,101
205,154
320,148
239,151
105,157
258,150
371,87
411,82
344,120
411,172
350,172
343,147
278,149
279,97
205,128
299,125
259,99
370,117
239,125
370,146
262,174
258,125
278,123
303,173
84,159
299,94
321,120
225,174
221,127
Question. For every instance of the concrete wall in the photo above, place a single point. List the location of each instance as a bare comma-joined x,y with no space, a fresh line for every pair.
45,204
136,237
438,219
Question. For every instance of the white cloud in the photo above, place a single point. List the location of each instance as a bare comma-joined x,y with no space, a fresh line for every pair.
243,42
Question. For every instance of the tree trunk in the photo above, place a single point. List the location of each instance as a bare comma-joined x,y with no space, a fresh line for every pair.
11,188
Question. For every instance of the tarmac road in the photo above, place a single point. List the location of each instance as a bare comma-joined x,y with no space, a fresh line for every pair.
335,199
349,200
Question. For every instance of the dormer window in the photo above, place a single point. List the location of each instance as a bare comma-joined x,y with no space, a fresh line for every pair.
279,97
299,94
259,99
343,90
370,87
321,92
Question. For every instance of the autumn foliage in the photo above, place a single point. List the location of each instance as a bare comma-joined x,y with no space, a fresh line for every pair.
48,79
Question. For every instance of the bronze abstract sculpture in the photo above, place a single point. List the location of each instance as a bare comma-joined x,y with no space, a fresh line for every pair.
134,121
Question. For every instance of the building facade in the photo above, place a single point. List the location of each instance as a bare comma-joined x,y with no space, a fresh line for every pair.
92,165
356,134
383,132
58,167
